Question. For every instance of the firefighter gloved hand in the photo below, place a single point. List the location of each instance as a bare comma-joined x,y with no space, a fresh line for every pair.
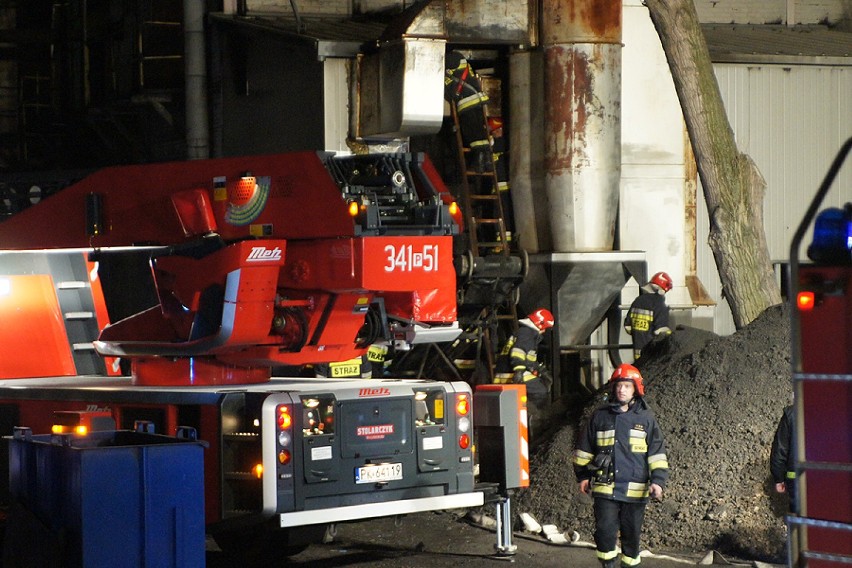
518,377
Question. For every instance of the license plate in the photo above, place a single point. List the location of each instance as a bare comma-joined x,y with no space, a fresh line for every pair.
378,473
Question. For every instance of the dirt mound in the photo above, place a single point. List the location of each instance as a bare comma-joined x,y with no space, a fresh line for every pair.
718,401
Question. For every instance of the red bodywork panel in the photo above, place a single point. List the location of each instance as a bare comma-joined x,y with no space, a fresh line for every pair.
30,310
257,261
824,407
170,203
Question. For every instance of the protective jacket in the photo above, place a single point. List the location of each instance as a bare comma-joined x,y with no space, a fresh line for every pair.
622,453
781,461
647,317
518,362
463,89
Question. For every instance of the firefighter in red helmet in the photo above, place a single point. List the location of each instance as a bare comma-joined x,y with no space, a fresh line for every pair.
648,315
518,360
620,459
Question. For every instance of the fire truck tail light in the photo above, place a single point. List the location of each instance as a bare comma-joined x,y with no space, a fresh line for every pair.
464,441
462,405
464,424
285,420
257,471
354,208
805,301
284,457
81,430
454,208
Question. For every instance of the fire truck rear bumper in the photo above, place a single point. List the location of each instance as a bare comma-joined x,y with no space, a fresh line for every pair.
406,506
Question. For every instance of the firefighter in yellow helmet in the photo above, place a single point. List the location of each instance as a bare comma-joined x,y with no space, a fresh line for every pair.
620,459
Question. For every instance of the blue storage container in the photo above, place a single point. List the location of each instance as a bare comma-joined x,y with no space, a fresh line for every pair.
108,499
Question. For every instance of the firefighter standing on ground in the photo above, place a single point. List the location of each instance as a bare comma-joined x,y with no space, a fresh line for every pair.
648,315
781,462
518,361
621,460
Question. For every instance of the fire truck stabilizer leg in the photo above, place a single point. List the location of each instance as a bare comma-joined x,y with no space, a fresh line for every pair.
504,546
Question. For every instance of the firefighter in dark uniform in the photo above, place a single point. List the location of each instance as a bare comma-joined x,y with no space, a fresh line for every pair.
380,356
781,459
648,315
518,361
463,88
620,459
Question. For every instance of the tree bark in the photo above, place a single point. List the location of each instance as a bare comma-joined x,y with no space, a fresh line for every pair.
733,186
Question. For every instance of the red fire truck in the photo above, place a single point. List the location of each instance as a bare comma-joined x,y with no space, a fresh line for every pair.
252,268
821,331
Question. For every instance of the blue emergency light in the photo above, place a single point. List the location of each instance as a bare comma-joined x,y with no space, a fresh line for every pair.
832,241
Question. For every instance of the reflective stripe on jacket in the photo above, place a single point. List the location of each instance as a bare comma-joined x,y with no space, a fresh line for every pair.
622,453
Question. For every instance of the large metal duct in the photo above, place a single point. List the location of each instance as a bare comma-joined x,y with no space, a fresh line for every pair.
582,125
197,128
402,81
529,199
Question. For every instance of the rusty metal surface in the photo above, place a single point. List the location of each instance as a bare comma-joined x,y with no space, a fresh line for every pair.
491,21
580,21
426,19
583,143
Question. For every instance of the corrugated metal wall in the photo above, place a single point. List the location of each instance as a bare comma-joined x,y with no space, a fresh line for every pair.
769,11
791,121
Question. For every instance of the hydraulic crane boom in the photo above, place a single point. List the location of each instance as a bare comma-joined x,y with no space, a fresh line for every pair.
262,261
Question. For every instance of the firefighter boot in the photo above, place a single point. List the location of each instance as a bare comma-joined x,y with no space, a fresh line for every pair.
611,563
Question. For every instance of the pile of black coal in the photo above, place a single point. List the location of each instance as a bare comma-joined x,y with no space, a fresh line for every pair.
718,401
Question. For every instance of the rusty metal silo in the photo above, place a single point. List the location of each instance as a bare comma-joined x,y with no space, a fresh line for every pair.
582,58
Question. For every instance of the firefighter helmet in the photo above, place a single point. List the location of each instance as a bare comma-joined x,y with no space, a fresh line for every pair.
627,372
542,318
663,280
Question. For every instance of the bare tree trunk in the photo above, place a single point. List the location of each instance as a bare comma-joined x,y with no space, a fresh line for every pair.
733,186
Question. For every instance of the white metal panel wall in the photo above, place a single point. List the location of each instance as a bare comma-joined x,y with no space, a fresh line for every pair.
651,216
769,11
336,104
791,121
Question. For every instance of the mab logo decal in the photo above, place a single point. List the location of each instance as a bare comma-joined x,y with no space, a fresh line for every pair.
374,391
261,254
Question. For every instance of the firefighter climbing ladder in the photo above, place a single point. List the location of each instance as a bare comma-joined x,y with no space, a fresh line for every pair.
481,200
485,218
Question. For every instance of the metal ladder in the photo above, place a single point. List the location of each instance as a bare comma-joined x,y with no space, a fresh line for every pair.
486,226
480,197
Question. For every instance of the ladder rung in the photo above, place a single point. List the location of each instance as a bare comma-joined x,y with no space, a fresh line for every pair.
479,220
485,196
479,174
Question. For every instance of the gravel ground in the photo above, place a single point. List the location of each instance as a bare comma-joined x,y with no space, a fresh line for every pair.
718,401
437,540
